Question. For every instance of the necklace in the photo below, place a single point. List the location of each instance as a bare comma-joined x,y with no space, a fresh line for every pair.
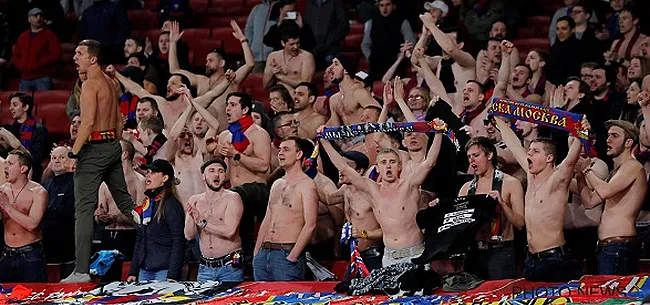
212,84
540,185
21,190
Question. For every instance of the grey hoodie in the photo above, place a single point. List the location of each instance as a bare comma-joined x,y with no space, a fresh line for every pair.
257,25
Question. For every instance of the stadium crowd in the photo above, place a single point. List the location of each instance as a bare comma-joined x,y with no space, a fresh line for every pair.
199,170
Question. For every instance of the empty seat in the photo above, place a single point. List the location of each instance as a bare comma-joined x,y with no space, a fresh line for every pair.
356,28
352,42
67,52
143,19
199,4
253,80
51,97
539,21
214,21
527,32
53,116
63,83
231,45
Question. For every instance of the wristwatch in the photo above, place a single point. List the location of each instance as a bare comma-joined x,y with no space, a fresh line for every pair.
202,224
236,157
71,155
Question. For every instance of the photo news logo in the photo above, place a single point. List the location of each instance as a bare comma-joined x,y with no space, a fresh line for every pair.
566,291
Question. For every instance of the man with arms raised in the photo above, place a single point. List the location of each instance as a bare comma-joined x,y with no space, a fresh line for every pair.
218,75
23,204
395,201
546,198
291,218
98,152
494,258
246,149
215,214
623,192
303,103
348,104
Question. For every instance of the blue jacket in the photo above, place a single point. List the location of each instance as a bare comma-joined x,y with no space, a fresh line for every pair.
161,245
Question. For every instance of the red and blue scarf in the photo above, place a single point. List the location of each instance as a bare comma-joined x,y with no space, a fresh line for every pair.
357,267
153,149
238,129
468,115
145,210
128,104
311,163
27,131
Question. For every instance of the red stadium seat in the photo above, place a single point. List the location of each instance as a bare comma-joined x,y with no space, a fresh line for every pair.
539,21
352,42
200,50
143,19
231,45
356,28
51,97
151,4
53,116
214,21
67,52
64,83
235,4
378,88
363,64
151,33
527,44
199,4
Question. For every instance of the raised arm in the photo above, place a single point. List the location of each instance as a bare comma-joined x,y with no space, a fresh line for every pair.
449,46
206,99
568,164
271,71
399,98
504,71
360,182
512,142
388,99
88,107
10,139
212,122
181,122
32,219
128,84
174,36
434,83
234,211
402,54
249,58
309,195
417,177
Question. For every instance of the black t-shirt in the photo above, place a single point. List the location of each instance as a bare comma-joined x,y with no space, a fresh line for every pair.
450,226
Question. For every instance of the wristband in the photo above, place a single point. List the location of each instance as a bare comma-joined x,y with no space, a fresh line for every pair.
236,157
243,40
202,224
71,155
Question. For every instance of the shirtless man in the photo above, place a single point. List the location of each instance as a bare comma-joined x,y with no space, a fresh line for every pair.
348,104
291,65
249,162
394,200
171,106
23,204
291,219
98,151
218,75
512,82
215,215
358,211
309,120
200,122
629,45
463,66
545,205
494,258
623,192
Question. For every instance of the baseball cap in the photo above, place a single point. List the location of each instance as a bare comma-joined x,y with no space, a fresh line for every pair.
629,128
347,66
164,167
359,158
364,77
441,5
35,11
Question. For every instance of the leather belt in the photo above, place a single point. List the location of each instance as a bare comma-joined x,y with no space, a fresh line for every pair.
22,250
102,136
228,259
548,253
277,246
615,239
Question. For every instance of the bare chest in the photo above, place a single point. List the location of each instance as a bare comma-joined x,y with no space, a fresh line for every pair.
213,211
285,197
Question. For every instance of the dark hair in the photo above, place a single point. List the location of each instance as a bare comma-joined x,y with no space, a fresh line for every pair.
141,59
583,88
163,33
486,145
530,71
289,30
610,74
497,40
149,100
25,99
152,122
139,41
24,158
284,93
549,146
632,9
303,145
133,73
572,23
543,56
589,64
220,52
186,81
245,100
311,87
585,6
278,117
213,161
94,48
481,87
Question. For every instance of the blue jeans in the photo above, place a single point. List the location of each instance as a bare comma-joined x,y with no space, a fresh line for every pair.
557,267
620,258
270,265
23,266
145,275
495,263
223,274
37,84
